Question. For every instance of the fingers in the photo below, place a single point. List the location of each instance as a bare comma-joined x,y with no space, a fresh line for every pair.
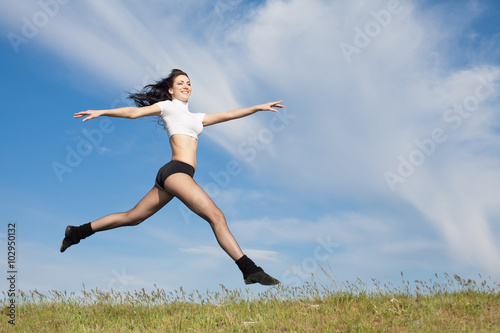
88,113
275,105
81,114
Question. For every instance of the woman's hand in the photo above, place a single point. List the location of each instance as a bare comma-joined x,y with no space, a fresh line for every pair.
219,117
270,106
90,113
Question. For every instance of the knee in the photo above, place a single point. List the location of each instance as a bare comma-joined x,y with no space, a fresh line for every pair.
217,219
134,223
131,220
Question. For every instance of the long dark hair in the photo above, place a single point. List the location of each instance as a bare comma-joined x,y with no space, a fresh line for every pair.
156,92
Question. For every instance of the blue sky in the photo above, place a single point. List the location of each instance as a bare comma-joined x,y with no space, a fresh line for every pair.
385,159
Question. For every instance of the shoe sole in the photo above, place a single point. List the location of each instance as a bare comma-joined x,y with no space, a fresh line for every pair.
261,278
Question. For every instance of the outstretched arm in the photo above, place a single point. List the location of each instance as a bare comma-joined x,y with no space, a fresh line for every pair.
130,112
220,117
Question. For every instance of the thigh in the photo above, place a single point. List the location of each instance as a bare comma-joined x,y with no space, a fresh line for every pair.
192,195
152,202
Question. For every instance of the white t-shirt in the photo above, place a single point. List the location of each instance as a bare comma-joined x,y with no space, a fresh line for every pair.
178,120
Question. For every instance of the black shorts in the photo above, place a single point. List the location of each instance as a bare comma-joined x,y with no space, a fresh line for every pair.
170,168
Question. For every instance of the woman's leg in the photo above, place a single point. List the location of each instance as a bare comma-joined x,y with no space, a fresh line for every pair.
185,188
150,204
194,197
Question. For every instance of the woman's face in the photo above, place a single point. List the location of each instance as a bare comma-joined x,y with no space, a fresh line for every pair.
181,89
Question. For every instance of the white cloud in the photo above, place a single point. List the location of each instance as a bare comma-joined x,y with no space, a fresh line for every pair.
213,251
261,255
205,250
354,120
345,230
414,246
125,45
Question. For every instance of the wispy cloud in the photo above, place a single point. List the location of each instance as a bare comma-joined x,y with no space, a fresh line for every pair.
205,250
347,228
357,118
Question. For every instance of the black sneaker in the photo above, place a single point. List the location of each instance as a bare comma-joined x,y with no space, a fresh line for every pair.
68,239
262,278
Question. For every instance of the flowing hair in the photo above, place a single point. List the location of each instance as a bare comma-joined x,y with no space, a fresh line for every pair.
156,92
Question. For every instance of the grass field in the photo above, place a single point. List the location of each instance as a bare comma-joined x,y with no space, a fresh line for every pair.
452,305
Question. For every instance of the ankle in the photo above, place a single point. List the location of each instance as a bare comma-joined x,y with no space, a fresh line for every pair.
81,232
247,266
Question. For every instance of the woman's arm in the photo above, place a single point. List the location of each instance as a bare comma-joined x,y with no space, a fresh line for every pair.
129,112
220,117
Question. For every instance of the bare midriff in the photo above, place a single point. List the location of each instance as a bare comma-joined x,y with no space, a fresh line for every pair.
184,148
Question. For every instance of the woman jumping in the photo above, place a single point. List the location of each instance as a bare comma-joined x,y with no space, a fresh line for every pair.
168,98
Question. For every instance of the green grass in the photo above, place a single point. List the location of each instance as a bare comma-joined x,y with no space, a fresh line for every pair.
452,305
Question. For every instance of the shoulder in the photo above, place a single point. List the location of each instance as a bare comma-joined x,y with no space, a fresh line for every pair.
165,105
166,102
